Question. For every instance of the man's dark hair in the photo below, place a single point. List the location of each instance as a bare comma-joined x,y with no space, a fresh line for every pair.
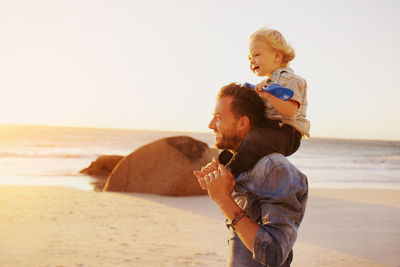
246,102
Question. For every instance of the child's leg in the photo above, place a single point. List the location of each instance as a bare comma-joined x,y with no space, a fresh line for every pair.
260,142
224,157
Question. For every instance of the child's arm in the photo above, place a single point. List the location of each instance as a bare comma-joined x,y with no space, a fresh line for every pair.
286,108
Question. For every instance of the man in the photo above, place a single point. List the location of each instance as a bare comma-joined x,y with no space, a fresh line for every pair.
264,206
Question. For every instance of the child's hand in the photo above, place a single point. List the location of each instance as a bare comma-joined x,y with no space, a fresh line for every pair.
259,90
286,108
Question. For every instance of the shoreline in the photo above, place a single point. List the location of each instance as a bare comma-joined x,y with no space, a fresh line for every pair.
342,227
83,182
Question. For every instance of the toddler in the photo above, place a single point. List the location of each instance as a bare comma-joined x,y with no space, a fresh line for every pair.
285,123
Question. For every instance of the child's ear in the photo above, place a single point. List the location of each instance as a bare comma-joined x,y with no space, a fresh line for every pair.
278,56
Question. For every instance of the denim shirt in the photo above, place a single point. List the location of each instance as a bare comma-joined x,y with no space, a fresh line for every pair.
274,194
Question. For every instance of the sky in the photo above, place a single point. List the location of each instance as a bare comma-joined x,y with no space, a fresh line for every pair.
158,65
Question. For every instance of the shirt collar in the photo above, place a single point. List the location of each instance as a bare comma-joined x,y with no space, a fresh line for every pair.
276,74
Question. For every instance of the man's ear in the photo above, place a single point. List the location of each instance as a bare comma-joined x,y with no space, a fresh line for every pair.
244,123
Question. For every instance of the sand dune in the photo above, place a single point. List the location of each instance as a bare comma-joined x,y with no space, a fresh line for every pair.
51,226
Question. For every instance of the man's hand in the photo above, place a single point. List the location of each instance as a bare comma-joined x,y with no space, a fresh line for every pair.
219,184
209,168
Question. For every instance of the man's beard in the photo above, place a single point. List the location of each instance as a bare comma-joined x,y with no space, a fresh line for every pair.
227,141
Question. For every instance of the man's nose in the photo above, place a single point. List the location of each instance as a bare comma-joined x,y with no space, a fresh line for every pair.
211,124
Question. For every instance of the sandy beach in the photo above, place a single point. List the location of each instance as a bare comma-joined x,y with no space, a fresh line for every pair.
55,226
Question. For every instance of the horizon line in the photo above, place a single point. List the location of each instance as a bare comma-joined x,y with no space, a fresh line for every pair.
173,131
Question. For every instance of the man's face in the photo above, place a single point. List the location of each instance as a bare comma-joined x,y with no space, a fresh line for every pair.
225,125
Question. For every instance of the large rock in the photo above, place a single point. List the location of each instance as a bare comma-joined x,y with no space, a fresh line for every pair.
163,167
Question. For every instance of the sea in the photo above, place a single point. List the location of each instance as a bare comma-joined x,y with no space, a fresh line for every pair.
53,156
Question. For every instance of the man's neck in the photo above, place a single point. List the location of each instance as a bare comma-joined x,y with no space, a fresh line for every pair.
236,148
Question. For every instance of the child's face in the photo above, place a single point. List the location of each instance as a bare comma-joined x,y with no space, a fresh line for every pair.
264,60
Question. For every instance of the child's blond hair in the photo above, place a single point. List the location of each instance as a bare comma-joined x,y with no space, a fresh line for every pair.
276,40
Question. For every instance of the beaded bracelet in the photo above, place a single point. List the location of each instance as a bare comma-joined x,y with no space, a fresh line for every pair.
240,216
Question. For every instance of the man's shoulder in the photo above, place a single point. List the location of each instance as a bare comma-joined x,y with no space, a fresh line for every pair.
271,172
275,164
274,160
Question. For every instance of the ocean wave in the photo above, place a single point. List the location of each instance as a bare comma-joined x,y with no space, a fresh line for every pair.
26,154
367,163
327,167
